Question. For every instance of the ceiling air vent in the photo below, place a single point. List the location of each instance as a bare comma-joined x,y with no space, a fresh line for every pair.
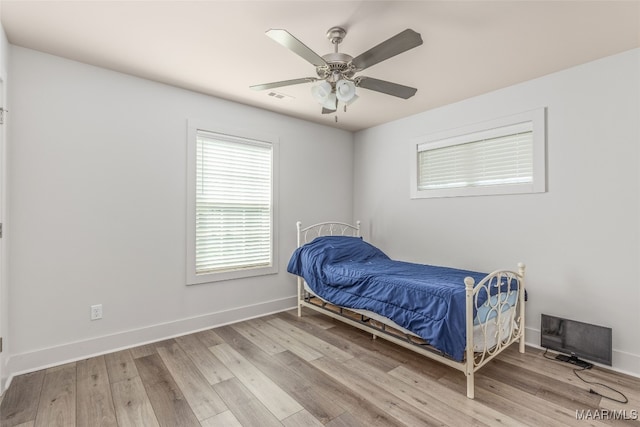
280,96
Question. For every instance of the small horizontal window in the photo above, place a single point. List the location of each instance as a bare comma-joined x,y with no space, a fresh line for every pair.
505,156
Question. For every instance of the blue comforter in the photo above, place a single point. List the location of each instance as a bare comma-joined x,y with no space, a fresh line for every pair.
425,299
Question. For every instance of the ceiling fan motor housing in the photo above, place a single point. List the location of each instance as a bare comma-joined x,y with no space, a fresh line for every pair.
338,65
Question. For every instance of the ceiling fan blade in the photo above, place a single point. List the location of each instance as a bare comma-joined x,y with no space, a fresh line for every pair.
296,46
383,86
274,85
401,42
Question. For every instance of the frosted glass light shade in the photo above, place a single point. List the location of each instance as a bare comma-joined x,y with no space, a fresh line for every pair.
345,91
321,92
331,102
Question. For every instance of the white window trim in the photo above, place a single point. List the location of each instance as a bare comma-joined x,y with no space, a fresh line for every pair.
461,135
193,126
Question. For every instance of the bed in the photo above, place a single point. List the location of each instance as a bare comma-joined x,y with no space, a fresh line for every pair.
458,317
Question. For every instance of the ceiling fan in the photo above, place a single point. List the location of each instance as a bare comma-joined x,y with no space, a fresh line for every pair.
336,71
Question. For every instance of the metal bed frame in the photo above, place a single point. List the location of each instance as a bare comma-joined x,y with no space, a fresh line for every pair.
484,341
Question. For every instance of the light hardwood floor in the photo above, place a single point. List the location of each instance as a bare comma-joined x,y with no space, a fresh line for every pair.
282,370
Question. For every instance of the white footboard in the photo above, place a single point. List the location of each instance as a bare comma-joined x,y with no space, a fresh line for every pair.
497,324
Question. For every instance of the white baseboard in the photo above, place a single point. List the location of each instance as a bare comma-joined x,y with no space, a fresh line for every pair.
623,362
18,364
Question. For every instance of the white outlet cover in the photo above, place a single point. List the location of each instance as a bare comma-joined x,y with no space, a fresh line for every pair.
96,312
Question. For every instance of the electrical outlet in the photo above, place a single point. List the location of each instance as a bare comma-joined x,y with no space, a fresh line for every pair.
96,312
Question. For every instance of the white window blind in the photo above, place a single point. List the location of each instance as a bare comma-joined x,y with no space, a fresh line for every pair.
506,155
233,225
502,156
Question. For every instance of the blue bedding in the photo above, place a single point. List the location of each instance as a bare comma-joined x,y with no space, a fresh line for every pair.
427,300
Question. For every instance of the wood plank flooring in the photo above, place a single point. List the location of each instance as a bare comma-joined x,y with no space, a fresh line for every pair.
281,370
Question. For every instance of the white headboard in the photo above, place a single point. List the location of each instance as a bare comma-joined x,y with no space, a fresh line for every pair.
307,234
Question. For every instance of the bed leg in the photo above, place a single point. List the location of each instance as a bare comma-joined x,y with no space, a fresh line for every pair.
299,297
470,385
299,230
521,343
469,356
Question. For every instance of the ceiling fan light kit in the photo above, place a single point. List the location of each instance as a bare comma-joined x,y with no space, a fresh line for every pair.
336,71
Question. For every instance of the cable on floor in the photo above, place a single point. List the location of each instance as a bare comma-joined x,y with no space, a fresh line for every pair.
592,391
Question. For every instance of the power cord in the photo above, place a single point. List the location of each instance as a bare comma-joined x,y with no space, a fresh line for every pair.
592,391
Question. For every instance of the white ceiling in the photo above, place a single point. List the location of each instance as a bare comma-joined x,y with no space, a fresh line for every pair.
219,47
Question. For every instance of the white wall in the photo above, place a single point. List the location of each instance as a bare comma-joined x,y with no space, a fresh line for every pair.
580,240
97,204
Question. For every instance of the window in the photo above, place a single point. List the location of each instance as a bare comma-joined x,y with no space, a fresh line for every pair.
232,194
504,156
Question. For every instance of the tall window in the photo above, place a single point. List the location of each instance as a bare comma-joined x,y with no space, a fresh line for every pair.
504,156
231,225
